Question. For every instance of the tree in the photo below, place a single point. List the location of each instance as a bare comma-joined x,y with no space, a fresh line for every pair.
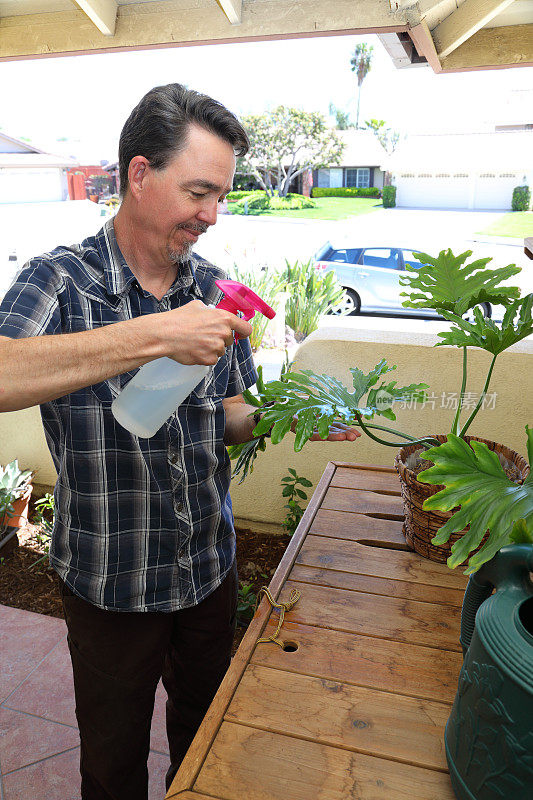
388,137
286,142
361,62
342,118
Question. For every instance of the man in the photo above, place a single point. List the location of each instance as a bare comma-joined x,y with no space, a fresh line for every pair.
143,541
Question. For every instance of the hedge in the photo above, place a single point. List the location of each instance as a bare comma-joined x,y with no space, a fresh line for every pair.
292,202
521,198
389,196
373,191
255,202
238,195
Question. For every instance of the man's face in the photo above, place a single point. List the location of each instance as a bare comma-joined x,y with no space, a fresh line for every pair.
179,202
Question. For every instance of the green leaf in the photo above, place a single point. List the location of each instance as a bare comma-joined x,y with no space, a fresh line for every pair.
287,480
305,482
446,283
287,491
486,334
301,494
293,472
521,533
474,479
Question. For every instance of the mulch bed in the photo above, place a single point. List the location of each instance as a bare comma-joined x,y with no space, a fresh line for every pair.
37,588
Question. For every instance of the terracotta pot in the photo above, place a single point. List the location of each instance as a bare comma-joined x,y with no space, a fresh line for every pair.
420,526
20,512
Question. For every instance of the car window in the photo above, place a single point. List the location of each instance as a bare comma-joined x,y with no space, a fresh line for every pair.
410,260
347,256
380,257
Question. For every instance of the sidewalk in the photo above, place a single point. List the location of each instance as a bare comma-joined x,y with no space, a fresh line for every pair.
39,740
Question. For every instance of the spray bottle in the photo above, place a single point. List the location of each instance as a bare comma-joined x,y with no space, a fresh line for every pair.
160,386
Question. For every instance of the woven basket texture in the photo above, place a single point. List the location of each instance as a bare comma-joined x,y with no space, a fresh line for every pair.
420,526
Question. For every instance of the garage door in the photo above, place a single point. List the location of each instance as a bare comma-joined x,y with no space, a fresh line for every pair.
495,190
30,186
433,190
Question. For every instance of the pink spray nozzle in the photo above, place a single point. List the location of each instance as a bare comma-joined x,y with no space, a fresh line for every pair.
239,298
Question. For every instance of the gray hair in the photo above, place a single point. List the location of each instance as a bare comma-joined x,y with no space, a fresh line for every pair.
157,127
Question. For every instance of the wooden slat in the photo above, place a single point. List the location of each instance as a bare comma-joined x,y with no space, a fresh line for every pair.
192,796
384,617
362,502
369,480
342,715
408,669
367,560
372,585
358,527
248,764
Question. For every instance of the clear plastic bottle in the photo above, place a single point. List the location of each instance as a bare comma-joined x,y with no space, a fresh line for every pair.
155,392
160,386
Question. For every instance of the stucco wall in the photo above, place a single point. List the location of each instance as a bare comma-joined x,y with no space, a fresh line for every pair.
333,351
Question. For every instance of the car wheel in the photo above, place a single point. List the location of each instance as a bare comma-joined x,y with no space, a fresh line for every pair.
348,306
485,308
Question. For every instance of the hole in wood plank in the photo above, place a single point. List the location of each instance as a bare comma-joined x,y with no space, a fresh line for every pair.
290,647
385,545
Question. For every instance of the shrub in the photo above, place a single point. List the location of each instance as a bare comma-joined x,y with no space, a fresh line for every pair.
293,202
239,195
373,191
521,198
252,203
389,196
311,295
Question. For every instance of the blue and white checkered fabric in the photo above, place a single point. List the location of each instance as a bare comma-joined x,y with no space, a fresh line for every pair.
141,524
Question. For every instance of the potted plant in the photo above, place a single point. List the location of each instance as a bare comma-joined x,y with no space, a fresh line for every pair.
452,288
15,493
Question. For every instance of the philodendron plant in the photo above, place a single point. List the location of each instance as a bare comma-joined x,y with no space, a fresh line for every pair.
310,403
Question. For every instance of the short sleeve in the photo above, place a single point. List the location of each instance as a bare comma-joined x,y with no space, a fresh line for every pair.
243,373
30,306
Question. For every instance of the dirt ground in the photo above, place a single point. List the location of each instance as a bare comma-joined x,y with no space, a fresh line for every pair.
37,588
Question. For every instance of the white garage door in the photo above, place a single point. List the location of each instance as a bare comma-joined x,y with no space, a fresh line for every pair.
495,190
30,186
433,190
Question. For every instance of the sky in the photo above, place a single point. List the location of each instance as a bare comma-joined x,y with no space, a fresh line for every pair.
86,99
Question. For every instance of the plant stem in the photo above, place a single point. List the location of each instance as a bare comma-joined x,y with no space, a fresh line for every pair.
455,426
480,401
426,442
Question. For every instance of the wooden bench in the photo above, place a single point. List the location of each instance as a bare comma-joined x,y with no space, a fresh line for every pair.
355,705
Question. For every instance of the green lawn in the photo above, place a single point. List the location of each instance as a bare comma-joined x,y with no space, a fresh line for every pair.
517,223
330,208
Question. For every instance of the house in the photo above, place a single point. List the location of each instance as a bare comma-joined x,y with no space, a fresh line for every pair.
30,175
462,170
361,165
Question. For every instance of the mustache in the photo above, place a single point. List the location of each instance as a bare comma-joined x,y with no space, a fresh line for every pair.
199,227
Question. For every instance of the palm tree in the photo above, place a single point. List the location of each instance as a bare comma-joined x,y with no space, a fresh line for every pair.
360,63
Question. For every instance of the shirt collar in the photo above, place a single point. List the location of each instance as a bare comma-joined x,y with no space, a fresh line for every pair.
119,277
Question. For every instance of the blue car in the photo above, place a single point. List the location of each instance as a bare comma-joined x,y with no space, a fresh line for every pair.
370,277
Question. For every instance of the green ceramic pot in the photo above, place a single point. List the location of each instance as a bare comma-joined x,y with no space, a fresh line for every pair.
489,735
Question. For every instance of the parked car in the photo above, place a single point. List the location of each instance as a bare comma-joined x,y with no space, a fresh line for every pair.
370,278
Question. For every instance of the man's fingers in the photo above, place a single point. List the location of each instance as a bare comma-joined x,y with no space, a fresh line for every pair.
240,326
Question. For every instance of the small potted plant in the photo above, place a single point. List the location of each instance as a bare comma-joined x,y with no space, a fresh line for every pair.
15,493
452,288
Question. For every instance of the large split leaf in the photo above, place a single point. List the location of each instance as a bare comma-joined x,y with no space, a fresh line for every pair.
446,283
319,400
474,479
517,323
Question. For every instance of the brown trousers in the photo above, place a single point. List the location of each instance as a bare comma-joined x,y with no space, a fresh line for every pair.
117,661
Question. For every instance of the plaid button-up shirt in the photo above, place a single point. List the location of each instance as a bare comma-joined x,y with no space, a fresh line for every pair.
140,524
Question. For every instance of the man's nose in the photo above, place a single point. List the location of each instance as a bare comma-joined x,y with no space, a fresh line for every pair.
208,212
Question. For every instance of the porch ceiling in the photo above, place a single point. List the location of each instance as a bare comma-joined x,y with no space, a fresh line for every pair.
451,35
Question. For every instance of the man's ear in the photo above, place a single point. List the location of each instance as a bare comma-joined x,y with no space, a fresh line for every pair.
137,172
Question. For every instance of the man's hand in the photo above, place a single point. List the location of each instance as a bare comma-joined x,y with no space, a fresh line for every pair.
196,334
338,432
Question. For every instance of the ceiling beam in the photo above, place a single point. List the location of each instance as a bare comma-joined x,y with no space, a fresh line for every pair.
181,22
103,13
421,36
232,9
493,48
469,18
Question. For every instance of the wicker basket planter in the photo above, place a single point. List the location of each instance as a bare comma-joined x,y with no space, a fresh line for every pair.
421,526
